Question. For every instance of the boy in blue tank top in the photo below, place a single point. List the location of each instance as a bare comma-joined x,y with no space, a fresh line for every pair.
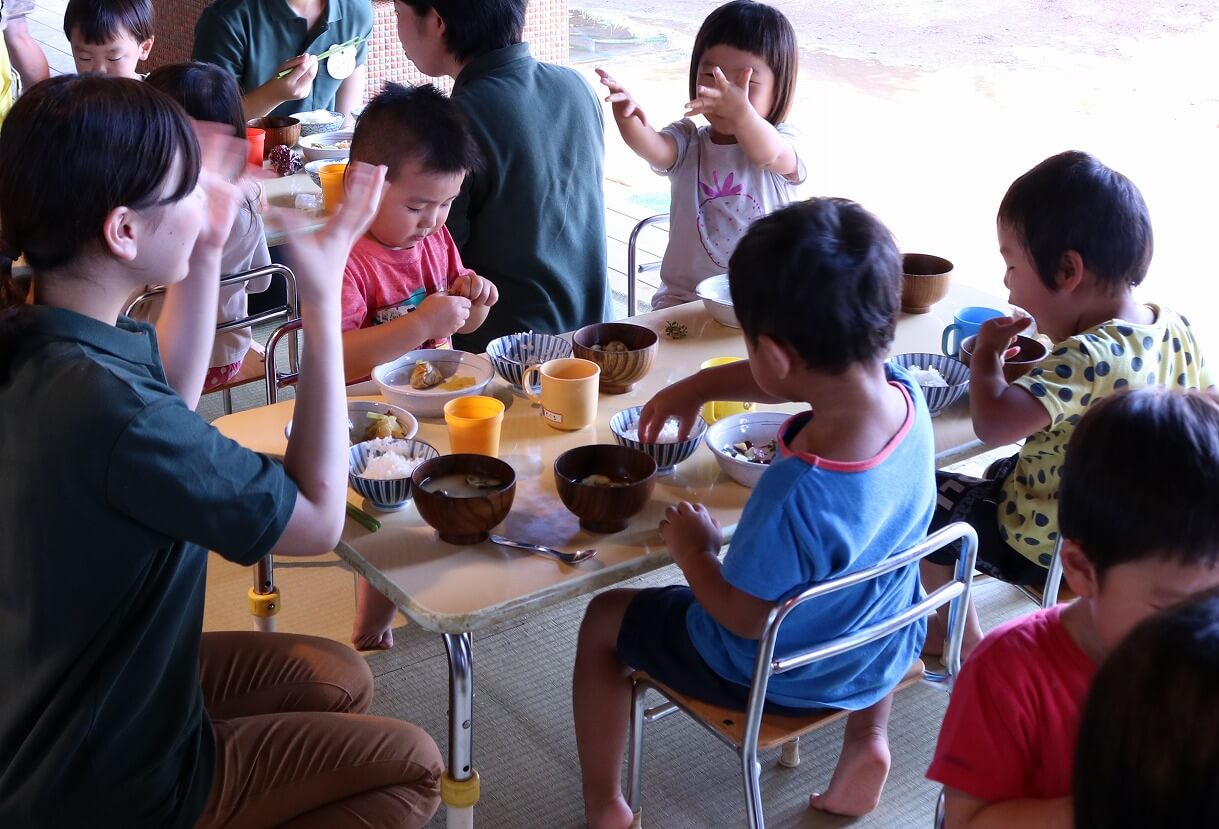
852,484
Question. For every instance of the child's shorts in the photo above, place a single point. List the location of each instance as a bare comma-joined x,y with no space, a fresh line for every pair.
654,638
219,375
976,502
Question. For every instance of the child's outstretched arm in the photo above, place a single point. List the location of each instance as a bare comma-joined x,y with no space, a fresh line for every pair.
758,138
694,539
482,294
682,399
437,317
1001,413
656,149
964,812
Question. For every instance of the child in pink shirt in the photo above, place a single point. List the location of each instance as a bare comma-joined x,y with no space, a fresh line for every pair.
1136,539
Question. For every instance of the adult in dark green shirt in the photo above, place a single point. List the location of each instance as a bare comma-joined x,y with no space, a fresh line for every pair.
257,39
533,221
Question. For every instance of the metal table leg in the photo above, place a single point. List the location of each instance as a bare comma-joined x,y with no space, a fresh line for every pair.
264,595
459,788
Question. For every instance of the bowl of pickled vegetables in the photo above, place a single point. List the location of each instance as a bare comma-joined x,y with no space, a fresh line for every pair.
371,419
745,444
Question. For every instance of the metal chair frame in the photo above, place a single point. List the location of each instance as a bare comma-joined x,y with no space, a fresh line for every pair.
633,269
1053,581
289,310
955,593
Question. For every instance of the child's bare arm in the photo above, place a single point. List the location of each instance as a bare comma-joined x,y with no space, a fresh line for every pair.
682,399
350,94
438,316
694,538
482,294
1001,413
759,139
656,149
964,812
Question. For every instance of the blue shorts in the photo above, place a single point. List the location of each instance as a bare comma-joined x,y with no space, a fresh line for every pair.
654,638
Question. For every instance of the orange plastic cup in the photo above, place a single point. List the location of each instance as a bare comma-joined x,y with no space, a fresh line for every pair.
331,176
474,424
255,139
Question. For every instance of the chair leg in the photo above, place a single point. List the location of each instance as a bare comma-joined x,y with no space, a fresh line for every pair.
789,755
939,811
634,756
226,397
751,771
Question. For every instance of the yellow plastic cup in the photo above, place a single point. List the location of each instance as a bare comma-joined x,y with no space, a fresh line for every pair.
474,424
713,410
331,176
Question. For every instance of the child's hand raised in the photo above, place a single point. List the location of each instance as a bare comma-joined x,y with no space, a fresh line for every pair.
724,98
478,290
689,530
223,159
624,104
996,338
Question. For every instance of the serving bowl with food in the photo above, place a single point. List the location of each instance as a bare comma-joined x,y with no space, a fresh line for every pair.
604,485
463,496
511,354
625,352
372,419
670,448
336,144
380,470
717,299
942,379
745,444
423,380
319,120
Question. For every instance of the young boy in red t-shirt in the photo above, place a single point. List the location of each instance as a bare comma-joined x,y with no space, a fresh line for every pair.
1136,538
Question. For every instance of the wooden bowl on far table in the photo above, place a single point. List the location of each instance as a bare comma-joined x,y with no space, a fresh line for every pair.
625,352
463,496
604,507
925,281
280,129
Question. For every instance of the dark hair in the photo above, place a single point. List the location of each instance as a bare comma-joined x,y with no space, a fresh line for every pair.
1071,201
417,123
822,276
1147,753
205,91
476,27
72,149
1141,479
100,21
760,30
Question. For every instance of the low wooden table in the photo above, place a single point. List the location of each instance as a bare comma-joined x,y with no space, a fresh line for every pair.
456,590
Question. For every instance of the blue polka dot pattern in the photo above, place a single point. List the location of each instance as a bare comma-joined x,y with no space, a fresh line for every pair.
1065,394
1136,363
1102,369
1063,371
1037,389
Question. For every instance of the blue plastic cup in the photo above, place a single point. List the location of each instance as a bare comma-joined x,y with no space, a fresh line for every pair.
966,322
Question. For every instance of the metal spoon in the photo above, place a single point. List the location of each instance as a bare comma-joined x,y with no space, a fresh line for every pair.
567,558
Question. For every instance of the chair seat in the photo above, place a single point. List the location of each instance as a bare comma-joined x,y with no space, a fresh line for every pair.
777,729
253,369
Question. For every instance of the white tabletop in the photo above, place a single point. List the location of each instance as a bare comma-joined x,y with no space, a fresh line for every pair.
451,589
281,192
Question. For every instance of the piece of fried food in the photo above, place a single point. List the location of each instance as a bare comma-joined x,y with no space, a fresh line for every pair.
425,376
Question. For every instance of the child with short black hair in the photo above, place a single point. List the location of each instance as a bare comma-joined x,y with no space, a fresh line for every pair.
1138,536
1076,238
109,36
743,164
533,220
1159,766
850,487
404,286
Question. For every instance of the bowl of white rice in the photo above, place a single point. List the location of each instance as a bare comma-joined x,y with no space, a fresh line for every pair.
942,379
380,470
670,448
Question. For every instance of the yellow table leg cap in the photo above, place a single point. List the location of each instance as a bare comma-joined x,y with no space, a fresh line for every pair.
263,604
459,793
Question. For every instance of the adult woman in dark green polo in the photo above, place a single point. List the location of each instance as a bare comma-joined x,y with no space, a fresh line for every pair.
116,710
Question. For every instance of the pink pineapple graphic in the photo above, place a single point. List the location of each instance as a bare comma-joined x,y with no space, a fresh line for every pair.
724,216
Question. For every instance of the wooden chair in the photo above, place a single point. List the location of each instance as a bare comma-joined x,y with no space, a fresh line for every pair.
749,731
253,368
633,268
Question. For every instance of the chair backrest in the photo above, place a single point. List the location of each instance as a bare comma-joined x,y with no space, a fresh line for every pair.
633,268
955,593
277,380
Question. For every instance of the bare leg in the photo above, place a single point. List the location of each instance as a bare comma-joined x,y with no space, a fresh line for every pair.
374,615
934,577
863,764
601,702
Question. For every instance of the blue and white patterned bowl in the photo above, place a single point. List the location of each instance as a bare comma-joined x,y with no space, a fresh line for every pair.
513,353
390,494
954,372
666,455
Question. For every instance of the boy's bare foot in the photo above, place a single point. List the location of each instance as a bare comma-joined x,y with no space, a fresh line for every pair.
613,814
859,776
374,615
